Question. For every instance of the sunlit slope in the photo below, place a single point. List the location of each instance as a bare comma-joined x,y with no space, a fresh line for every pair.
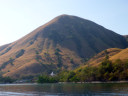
63,43
123,55
112,53
97,59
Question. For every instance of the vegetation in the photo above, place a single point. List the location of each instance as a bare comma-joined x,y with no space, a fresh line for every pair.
31,42
9,48
59,57
10,61
47,79
20,53
107,71
38,58
47,57
6,80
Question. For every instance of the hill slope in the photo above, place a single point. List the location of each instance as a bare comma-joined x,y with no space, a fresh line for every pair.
96,60
113,53
109,65
60,44
126,36
123,55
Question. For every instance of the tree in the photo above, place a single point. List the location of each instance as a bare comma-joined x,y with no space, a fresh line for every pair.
59,57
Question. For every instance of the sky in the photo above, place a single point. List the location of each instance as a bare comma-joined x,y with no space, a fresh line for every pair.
20,17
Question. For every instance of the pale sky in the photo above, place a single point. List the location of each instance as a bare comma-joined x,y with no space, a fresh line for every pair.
20,17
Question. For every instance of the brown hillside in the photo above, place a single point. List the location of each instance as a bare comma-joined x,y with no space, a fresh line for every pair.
123,55
113,53
60,44
96,60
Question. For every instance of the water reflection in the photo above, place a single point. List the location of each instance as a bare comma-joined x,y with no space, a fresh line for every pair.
71,89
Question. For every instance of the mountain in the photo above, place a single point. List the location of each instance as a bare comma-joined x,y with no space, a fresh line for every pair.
126,36
65,42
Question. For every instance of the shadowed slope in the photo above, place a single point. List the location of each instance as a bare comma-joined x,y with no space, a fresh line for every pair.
126,36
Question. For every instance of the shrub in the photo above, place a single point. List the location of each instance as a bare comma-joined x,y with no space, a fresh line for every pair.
20,53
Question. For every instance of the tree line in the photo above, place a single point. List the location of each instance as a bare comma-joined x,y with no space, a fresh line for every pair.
106,71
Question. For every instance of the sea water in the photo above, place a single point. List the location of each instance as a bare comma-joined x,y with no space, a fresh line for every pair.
65,89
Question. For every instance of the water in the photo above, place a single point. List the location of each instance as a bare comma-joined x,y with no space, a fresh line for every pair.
68,89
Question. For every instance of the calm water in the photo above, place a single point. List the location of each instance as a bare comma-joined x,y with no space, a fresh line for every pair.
69,89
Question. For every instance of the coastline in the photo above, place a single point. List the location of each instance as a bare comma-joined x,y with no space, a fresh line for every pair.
97,82
93,82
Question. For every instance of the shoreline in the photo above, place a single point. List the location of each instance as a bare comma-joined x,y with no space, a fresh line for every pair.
97,82
93,82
